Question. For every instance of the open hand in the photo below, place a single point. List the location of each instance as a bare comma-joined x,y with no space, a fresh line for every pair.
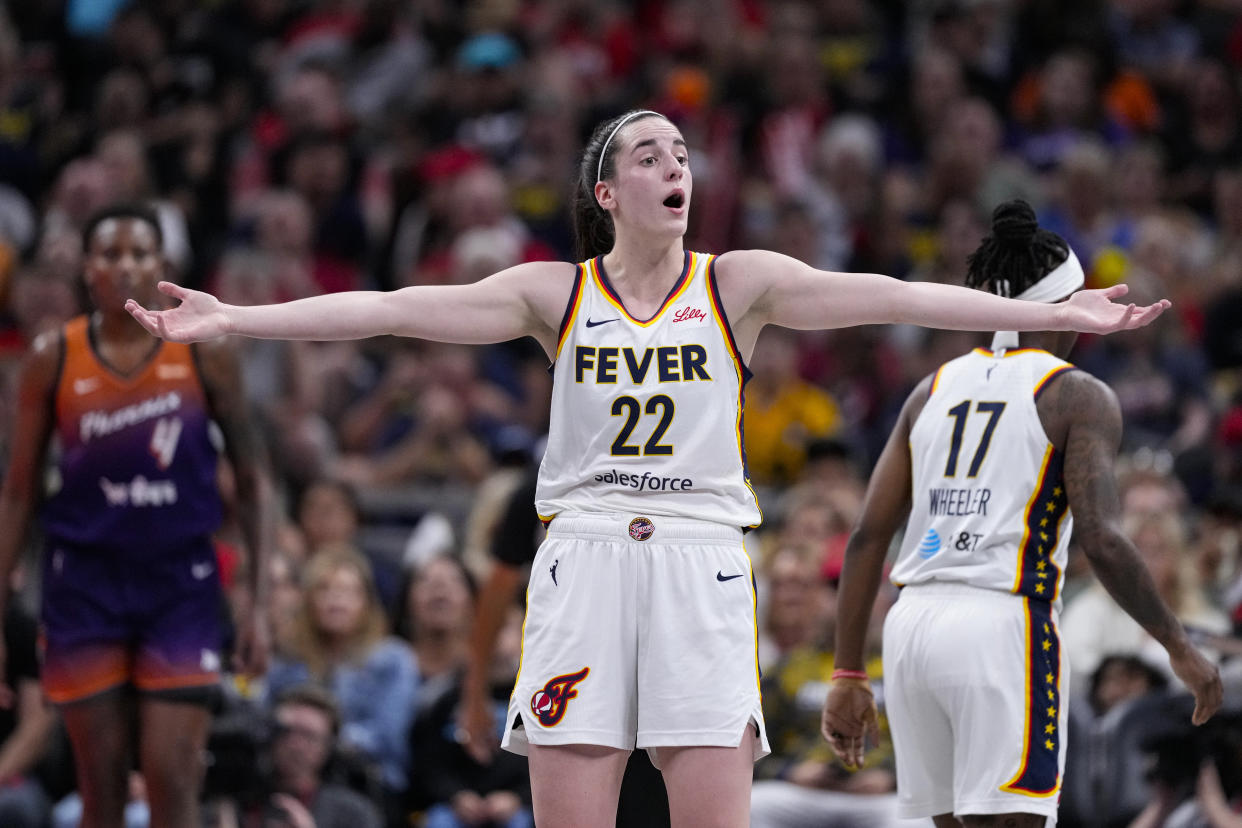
849,717
253,647
200,315
1202,679
1095,311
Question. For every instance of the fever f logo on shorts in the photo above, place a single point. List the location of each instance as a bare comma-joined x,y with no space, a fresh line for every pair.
549,704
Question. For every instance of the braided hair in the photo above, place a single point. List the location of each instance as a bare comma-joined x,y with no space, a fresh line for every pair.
1016,254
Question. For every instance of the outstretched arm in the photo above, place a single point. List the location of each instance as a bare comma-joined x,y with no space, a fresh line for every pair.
1092,439
526,300
849,711
779,290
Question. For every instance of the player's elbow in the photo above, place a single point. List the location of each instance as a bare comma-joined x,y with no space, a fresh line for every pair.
866,542
1101,542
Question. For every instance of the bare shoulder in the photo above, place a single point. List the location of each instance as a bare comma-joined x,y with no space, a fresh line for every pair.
544,286
43,359
745,279
917,399
742,271
218,359
1077,398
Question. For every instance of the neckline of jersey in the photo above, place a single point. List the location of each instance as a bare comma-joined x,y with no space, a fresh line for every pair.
122,378
989,353
610,293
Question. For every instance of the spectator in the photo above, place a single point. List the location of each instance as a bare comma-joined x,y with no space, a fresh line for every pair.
27,723
341,644
784,413
801,784
456,789
438,606
1094,627
307,724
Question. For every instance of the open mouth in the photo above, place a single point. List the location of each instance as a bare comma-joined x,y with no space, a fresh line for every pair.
675,200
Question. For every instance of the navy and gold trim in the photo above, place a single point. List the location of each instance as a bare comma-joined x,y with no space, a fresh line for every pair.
679,287
989,353
1051,375
1040,773
743,375
1038,575
571,309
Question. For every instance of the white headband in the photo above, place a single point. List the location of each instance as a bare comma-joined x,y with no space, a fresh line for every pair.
1060,282
604,151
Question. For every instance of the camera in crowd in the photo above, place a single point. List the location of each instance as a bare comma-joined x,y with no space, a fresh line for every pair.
239,761
254,753
1177,749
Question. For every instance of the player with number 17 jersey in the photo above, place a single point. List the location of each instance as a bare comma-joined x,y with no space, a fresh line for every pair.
647,415
988,504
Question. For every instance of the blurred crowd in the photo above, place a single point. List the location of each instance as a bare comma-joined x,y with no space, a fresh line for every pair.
300,147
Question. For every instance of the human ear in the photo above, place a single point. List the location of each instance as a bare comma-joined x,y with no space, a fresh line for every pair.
603,195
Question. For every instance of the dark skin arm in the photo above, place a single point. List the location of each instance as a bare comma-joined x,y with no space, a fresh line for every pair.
849,711
221,375
32,429
475,715
28,742
1082,417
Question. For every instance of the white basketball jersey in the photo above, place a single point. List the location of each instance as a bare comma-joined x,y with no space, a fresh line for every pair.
647,416
988,505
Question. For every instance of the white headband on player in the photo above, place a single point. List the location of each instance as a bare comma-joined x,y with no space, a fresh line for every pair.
599,170
1060,282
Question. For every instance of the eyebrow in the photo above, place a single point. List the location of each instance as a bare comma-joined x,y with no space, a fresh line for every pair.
651,142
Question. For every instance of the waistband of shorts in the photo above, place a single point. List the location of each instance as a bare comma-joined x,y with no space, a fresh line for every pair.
937,589
631,526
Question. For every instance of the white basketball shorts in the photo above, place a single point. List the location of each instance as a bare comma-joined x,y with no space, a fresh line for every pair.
639,632
976,690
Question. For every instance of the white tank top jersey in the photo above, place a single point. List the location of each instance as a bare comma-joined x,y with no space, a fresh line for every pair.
989,506
647,415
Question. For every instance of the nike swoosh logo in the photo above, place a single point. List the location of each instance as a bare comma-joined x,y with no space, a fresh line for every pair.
720,576
591,323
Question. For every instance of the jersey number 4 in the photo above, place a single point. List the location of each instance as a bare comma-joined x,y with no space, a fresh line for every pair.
959,413
631,408
164,440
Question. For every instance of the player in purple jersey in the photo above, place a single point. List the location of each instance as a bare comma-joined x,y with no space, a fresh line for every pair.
131,589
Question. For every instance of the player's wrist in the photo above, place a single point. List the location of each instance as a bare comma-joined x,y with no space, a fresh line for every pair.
228,313
845,674
1061,317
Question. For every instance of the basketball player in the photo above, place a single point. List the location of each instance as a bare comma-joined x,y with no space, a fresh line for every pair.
998,456
640,627
131,593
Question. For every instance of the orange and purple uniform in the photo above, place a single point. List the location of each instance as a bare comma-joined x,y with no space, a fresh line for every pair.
131,587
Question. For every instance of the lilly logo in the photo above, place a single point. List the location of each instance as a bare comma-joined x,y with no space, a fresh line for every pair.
930,544
689,314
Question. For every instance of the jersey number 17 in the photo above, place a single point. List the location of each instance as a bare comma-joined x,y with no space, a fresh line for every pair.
959,413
